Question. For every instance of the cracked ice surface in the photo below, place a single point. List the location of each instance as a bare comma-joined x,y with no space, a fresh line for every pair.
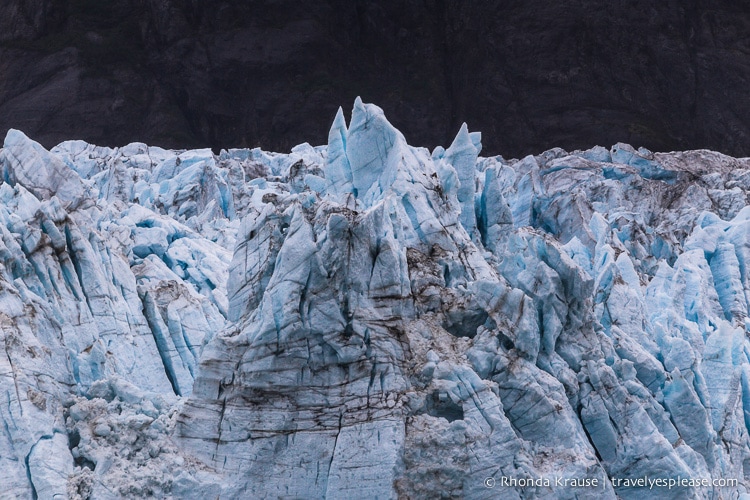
371,319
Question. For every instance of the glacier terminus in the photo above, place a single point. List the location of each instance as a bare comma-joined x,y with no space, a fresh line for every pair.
368,319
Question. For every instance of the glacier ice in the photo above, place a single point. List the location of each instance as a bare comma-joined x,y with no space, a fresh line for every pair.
370,318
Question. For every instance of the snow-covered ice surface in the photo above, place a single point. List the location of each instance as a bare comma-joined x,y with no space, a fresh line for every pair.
372,320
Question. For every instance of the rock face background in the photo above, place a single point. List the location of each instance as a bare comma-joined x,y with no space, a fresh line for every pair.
369,318
666,75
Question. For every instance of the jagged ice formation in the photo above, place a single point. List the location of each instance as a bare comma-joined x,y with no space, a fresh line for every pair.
371,319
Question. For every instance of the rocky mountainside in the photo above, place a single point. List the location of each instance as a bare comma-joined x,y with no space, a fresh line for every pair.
372,319
666,75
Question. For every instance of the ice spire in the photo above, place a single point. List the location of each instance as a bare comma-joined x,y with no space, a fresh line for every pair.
462,154
338,170
370,141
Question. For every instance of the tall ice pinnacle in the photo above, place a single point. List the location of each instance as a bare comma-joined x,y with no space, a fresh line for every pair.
363,159
338,170
462,154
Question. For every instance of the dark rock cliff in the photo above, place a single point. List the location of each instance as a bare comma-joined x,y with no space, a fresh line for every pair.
529,74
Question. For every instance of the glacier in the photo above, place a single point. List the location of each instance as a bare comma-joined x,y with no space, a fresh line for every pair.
368,318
